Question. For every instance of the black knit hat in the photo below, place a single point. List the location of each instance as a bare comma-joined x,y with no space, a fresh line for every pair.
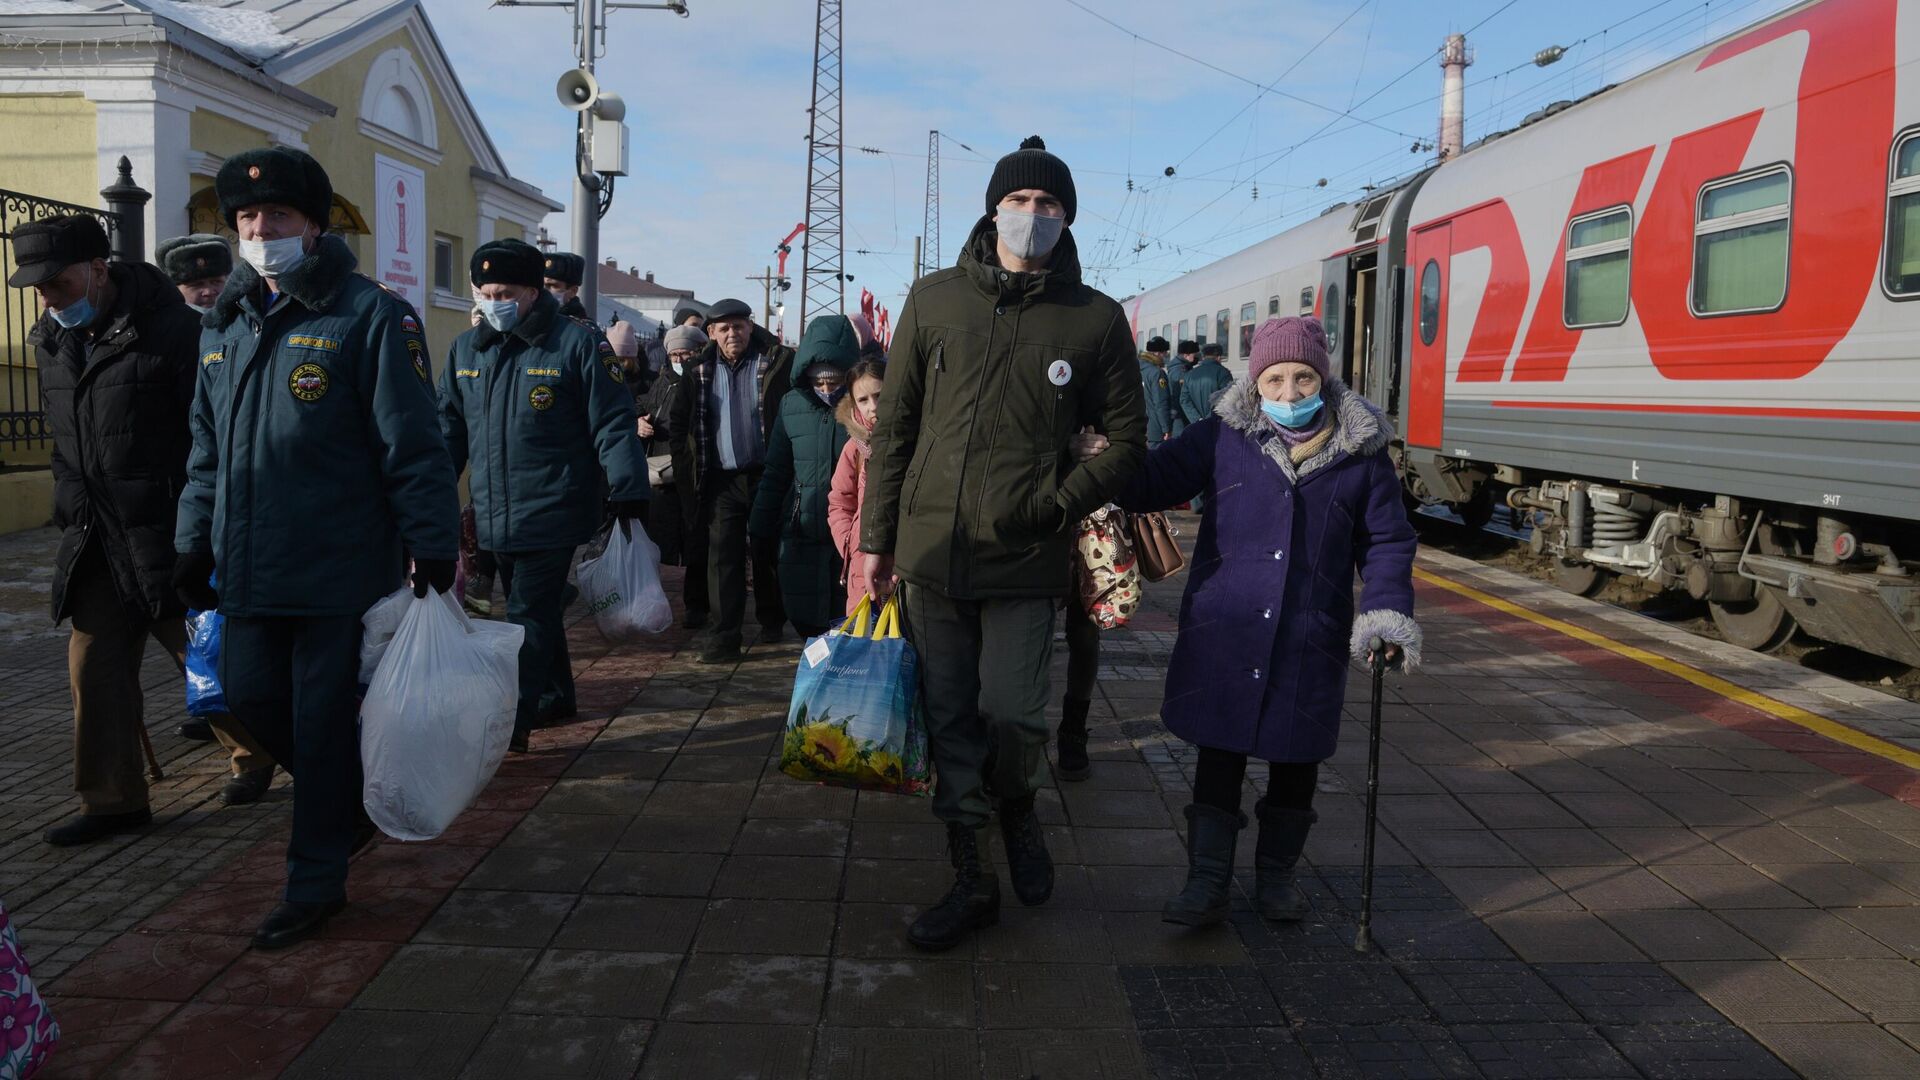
565,266
195,257
274,174
1032,167
507,262
1156,344
1212,350
42,249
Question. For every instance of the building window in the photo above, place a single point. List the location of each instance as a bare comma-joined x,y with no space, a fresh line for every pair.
1599,261
1306,300
1183,329
443,263
1200,328
1221,324
1903,218
1429,301
1248,313
1740,239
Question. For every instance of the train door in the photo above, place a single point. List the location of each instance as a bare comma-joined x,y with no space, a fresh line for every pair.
1431,252
1356,364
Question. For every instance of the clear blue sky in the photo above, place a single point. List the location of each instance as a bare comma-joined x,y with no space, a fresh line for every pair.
718,110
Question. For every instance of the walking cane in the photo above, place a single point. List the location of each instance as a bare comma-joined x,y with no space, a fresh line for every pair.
1363,938
153,763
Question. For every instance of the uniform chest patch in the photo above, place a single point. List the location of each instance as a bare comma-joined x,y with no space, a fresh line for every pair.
1059,373
466,373
313,341
214,357
544,372
308,382
541,397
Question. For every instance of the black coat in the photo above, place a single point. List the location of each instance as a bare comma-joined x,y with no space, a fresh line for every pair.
117,407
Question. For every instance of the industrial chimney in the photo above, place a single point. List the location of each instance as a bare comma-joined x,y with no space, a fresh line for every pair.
1454,59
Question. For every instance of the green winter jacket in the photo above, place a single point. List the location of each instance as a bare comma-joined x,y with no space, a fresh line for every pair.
1200,386
540,412
316,464
791,502
970,485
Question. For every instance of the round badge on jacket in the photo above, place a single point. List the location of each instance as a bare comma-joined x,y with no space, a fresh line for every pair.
308,382
541,397
1059,373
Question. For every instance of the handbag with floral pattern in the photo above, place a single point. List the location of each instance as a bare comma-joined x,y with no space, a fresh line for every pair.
1104,568
27,1030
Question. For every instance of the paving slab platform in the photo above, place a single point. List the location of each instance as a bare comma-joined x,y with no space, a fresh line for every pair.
1607,849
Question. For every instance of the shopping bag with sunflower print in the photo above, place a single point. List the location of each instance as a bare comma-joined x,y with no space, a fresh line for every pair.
855,720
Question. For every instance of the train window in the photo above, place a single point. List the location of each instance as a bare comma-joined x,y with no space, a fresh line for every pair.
1140,340
1740,243
1273,305
1166,330
1331,317
1429,301
1248,313
1306,300
1183,329
1222,322
1200,328
1598,260
1903,218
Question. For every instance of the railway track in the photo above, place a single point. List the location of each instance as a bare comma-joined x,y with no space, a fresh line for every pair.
1502,543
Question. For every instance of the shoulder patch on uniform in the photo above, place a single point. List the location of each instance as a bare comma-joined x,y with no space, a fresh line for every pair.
308,382
313,341
614,368
410,324
417,352
543,372
213,357
541,397
466,373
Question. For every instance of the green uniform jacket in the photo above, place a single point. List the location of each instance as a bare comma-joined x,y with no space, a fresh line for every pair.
539,413
316,458
970,484
1176,377
1200,386
1159,401
791,502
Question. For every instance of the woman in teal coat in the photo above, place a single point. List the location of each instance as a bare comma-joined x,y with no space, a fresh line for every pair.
790,507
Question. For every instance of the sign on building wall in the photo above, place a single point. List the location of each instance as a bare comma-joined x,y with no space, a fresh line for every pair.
402,260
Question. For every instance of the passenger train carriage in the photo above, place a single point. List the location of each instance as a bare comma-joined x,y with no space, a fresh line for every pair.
1677,322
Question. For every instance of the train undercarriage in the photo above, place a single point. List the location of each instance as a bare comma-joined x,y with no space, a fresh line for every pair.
1763,569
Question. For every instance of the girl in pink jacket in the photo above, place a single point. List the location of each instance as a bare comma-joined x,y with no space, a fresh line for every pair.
856,413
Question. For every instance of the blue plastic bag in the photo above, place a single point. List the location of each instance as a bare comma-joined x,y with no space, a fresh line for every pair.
855,718
204,696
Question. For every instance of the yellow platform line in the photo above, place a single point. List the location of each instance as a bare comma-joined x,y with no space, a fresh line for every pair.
1792,714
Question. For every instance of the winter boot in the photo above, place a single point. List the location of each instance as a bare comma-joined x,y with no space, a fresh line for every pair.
1071,761
974,901
1211,832
1028,862
1283,833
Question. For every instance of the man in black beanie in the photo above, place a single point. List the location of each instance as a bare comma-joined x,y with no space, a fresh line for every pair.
972,498
317,470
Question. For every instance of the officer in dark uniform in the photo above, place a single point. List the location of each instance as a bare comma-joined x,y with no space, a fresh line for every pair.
317,468
562,274
536,404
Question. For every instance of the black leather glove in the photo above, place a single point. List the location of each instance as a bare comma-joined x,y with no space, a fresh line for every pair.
630,510
435,572
191,580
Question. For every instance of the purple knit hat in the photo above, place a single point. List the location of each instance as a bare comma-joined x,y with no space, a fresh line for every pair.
1300,340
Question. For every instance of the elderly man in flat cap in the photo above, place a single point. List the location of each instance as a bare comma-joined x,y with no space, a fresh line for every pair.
317,470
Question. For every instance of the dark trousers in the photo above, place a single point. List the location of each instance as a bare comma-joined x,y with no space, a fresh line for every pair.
103,666
1219,775
293,682
1083,652
535,583
726,501
984,681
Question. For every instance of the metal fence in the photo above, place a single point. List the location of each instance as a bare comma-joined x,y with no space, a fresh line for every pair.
23,425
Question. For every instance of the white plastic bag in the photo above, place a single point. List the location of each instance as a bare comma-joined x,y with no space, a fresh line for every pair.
437,716
623,588
377,628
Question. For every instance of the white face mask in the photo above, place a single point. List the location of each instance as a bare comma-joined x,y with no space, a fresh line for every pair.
1028,236
677,368
201,308
274,257
499,314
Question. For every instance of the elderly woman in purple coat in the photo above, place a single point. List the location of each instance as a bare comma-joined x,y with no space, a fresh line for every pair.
1299,496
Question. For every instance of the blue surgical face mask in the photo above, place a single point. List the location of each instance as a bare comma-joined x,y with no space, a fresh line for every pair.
273,257
1292,414
499,314
79,313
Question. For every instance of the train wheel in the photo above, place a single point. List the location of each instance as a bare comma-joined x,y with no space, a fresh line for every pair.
1760,624
1580,579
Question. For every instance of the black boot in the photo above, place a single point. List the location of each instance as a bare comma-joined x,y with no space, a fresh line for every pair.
1283,833
1211,832
247,787
1027,860
974,901
90,827
294,921
1071,760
